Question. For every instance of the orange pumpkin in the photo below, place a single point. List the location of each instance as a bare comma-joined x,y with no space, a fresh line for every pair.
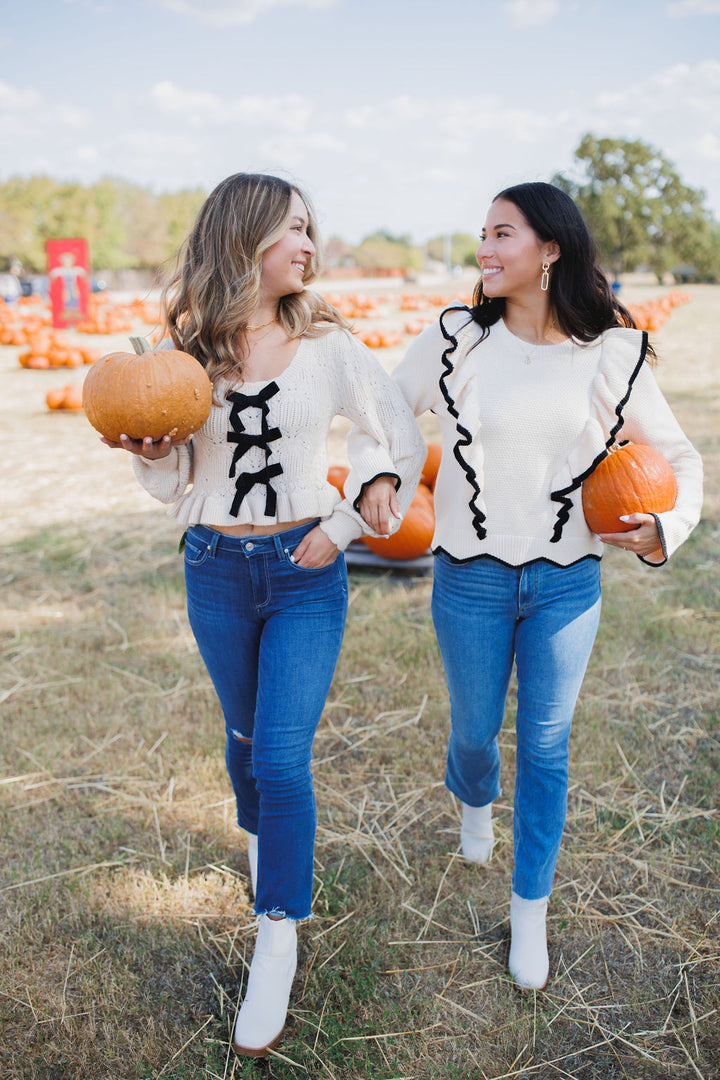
632,479
154,393
414,536
73,398
337,475
65,397
55,397
432,464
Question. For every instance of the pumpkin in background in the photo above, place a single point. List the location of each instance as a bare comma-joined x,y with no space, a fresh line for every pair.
151,393
415,534
432,464
337,475
65,397
632,479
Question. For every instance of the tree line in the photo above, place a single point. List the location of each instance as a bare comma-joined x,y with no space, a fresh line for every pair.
641,214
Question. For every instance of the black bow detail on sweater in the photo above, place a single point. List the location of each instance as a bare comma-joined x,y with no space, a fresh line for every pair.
244,441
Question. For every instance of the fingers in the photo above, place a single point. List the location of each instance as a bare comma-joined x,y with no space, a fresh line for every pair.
643,539
145,447
315,550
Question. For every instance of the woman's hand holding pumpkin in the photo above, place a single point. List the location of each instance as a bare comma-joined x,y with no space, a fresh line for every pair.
146,448
643,539
378,502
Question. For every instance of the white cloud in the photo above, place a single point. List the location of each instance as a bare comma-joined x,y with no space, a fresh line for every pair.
232,12
13,99
524,13
202,108
708,147
693,7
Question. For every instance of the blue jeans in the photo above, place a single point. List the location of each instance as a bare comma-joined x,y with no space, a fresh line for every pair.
269,633
545,618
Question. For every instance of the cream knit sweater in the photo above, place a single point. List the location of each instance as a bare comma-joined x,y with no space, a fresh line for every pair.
523,425
261,456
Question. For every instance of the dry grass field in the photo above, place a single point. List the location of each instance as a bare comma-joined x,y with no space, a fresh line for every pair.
126,920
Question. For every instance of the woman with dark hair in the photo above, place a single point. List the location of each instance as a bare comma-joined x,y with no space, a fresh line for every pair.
533,385
264,570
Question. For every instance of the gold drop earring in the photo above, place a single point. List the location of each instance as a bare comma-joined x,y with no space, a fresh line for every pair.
545,279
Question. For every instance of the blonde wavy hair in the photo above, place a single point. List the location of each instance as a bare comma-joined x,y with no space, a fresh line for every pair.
212,293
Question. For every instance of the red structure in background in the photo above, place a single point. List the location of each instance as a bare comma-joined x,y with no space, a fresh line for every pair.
68,266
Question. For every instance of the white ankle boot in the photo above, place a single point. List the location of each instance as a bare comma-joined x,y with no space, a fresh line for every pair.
529,963
476,833
261,1019
252,851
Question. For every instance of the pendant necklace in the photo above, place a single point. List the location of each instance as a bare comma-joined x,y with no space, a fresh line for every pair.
527,349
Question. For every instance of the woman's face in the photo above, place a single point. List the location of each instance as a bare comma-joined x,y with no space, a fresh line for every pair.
284,264
511,254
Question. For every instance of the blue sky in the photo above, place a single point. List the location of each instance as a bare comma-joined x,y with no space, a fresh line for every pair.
401,115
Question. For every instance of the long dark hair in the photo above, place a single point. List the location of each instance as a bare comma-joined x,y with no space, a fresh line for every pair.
583,303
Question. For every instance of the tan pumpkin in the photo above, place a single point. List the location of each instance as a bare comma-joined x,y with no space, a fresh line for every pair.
151,393
632,479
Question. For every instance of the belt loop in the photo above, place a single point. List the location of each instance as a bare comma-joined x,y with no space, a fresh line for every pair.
214,541
278,544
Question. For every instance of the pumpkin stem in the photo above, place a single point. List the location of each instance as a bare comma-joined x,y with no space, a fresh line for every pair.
140,345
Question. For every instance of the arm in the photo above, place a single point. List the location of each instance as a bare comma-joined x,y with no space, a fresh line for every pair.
417,375
650,420
164,469
388,443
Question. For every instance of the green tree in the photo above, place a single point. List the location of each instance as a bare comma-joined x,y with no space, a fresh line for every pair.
638,209
383,251
125,225
462,249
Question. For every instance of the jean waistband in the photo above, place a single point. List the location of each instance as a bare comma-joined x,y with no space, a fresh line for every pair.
252,545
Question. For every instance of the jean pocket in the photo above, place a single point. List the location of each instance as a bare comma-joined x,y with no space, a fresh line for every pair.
196,550
306,569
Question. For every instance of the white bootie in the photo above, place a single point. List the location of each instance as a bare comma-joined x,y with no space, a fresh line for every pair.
476,833
529,963
261,1019
253,860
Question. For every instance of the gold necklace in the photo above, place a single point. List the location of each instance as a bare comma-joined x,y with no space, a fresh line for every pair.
262,325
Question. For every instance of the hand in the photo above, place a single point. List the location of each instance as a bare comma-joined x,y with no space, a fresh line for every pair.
315,550
146,448
378,501
643,539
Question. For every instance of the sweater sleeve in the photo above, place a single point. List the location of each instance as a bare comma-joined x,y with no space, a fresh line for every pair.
418,373
385,440
167,478
649,419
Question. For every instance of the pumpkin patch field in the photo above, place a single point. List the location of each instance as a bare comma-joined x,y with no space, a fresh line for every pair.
126,923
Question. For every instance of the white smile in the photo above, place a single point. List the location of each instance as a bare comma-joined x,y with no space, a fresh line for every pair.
299,266
489,271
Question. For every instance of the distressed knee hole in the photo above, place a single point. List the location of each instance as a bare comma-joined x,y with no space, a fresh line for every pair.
238,735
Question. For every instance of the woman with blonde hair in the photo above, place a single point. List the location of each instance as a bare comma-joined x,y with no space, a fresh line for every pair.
264,570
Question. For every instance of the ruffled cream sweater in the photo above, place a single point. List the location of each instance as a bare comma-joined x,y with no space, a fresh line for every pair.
523,425
261,457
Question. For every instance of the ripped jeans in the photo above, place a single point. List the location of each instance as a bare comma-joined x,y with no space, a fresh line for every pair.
269,633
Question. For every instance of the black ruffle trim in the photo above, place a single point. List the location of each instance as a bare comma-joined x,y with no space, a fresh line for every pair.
515,566
561,496
465,437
